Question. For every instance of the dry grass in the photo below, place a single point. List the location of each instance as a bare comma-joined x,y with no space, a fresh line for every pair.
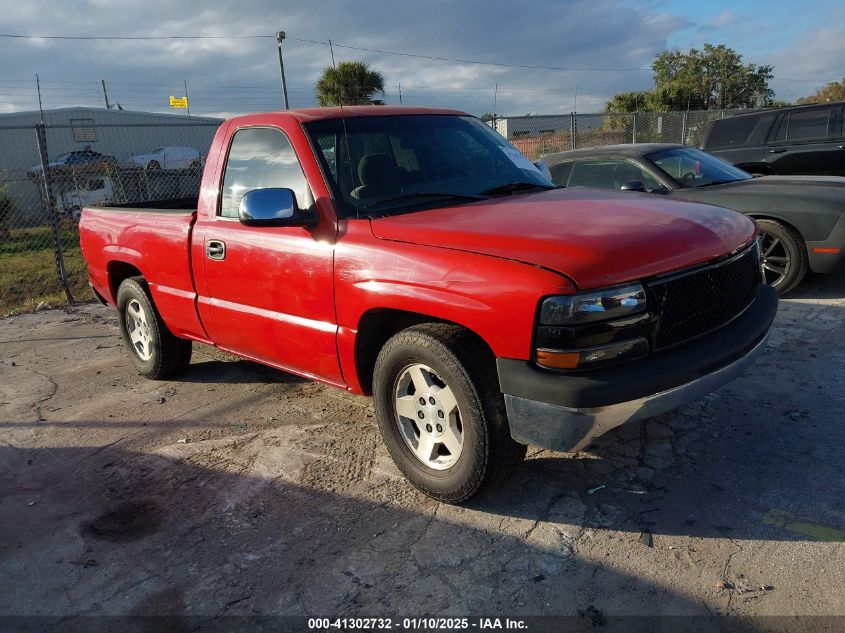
28,270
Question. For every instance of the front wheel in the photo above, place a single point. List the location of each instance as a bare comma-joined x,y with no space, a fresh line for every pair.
153,349
440,412
785,260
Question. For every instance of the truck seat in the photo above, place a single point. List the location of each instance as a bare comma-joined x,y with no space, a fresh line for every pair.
377,173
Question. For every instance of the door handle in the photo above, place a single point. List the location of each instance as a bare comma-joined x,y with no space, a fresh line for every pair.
776,151
215,249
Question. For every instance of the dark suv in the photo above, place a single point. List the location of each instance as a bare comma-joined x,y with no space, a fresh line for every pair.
797,140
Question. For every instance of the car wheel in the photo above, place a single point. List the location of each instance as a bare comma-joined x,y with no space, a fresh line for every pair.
440,412
153,165
153,349
785,259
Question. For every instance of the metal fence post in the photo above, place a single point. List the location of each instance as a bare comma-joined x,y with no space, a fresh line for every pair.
573,128
684,129
49,206
634,129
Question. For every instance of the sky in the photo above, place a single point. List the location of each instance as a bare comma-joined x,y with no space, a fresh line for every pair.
598,47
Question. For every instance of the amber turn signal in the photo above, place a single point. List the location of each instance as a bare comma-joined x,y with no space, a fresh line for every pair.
558,360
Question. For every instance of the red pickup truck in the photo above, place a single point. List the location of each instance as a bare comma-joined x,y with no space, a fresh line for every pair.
414,255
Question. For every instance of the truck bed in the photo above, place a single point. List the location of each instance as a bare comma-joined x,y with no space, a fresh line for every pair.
150,239
181,205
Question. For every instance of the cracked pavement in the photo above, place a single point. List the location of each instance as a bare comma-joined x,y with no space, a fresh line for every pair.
236,489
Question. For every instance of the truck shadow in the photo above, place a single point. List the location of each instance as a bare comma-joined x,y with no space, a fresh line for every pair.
234,371
93,531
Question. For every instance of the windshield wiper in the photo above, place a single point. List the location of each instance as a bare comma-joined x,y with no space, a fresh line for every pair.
513,187
423,194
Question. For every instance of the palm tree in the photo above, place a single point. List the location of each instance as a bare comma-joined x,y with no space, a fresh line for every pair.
350,83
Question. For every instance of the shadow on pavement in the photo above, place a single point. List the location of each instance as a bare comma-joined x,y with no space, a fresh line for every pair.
105,532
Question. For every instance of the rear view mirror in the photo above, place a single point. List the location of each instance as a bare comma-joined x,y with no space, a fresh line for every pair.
543,169
633,185
273,207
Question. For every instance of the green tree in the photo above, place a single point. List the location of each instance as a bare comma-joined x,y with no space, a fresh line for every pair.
350,83
630,101
487,117
833,91
714,77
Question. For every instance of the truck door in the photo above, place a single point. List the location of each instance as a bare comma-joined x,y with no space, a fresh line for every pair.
802,143
838,163
270,289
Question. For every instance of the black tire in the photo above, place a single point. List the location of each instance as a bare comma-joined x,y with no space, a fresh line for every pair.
153,165
793,249
167,353
489,455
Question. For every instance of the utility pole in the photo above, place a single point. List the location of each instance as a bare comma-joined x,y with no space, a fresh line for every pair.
105,94
38,88
280,37
187,101
400,93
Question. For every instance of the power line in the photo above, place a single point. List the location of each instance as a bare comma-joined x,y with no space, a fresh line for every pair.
133,37
350,47
308,41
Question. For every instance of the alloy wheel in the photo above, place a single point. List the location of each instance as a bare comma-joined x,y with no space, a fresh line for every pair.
776,260
137,325
428,417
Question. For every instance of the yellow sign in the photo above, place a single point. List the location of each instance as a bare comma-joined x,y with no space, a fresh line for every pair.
178,102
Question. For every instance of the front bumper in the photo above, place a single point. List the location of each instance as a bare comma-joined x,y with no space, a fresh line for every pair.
566,411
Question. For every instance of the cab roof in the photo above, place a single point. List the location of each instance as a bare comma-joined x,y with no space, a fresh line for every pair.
304,115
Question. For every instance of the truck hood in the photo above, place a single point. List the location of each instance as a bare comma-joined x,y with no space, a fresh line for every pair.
596,238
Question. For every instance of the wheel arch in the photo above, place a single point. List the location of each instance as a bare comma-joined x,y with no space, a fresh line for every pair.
117,272
776,217
377,325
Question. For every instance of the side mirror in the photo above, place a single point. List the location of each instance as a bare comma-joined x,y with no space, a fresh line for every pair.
273,207
544,169
633,185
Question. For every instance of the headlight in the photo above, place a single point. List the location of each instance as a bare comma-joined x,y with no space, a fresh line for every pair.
596,305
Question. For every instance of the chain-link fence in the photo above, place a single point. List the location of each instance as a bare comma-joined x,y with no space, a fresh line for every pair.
48,173
536,135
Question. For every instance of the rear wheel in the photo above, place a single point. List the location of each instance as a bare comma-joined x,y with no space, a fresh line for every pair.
153,165
440,412
153,349
785,260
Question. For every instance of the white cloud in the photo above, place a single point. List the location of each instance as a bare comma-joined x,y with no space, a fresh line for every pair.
241,75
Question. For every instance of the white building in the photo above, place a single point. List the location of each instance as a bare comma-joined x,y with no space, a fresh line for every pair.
529,126
116,133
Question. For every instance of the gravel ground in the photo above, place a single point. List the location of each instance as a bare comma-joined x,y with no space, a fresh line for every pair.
238,490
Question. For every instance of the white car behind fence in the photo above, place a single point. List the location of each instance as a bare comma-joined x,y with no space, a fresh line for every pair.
170,157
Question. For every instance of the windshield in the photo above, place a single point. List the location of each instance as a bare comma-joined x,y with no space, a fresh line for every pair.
409,162
691,167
